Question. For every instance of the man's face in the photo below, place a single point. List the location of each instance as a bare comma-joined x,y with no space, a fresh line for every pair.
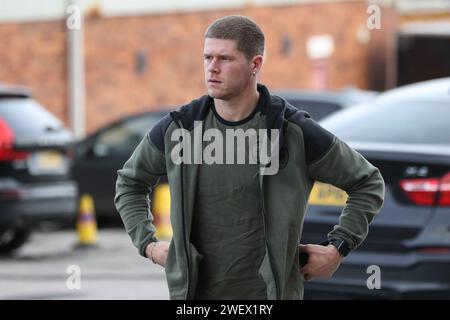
227,71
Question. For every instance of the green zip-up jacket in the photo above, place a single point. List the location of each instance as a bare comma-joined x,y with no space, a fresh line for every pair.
307,153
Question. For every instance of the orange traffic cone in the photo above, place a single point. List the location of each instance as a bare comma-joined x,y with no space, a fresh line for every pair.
86,224
161,212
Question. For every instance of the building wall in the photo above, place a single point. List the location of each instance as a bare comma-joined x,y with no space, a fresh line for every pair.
146,62
34,55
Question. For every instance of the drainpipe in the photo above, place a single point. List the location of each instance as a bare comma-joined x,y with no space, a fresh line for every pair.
75,58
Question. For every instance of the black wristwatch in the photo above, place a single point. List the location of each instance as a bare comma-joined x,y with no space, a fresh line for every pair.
341,246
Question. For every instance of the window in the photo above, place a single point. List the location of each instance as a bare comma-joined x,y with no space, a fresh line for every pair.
124,137
316,109
27,117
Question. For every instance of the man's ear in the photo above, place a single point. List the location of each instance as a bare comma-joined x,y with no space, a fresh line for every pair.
257,62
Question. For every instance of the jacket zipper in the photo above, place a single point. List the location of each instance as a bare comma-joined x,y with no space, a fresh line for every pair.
183,215
263,211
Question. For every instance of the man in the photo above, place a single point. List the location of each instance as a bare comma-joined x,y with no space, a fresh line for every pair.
235,226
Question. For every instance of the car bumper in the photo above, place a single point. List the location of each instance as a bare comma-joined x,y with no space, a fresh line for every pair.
401,276
27,205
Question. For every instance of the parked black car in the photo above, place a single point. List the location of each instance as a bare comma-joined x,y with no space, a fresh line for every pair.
35,184
405,132
101,154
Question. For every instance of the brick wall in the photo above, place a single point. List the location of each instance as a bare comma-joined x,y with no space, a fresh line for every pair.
34,54
169,49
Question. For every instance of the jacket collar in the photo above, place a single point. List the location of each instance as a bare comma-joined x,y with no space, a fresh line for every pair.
274,109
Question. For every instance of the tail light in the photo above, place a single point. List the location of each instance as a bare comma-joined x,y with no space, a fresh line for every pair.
444,199
9,194
434,250
428,192
7,152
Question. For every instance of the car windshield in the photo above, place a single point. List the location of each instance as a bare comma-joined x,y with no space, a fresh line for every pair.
125,136
423,122
316,109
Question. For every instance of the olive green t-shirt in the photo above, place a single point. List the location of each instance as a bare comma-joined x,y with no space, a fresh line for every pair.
227,226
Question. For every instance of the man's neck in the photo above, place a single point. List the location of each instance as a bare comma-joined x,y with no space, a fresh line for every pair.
237,108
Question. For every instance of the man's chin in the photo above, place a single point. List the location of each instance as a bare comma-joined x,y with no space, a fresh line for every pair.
215,94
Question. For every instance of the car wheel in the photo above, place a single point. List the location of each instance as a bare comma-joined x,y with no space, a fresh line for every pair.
11,239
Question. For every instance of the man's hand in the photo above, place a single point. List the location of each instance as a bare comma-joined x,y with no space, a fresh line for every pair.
323,261
157,252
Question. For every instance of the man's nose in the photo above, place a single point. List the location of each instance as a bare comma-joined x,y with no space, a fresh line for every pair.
213,66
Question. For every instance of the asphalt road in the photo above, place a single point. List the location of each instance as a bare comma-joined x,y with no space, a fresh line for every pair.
49,267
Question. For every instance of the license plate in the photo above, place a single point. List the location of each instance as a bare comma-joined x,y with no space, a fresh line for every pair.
324,194
47,162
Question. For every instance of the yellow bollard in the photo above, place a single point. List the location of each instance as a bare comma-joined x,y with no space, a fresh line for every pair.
161,212
86,224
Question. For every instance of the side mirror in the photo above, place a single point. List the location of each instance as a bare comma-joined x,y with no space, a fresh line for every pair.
99,150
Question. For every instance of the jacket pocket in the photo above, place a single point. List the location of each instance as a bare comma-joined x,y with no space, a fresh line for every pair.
176,275
267,274
196,258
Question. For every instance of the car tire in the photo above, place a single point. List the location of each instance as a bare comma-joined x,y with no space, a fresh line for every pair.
12,239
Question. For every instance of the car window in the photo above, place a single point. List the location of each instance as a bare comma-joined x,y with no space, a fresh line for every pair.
124,137
316,109
396,122
26,116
